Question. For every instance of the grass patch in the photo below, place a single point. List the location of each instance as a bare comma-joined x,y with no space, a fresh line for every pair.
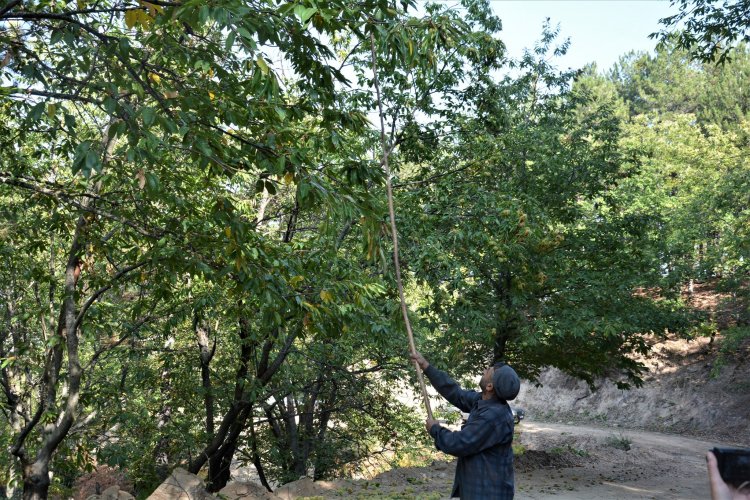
619,442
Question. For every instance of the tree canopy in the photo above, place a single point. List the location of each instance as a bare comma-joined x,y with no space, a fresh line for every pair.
194,224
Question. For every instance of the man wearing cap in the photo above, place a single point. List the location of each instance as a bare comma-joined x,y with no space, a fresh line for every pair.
483,445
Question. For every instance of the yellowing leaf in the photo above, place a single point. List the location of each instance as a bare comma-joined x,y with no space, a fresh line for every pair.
288,178
171,94
145,19
131,17
154,78
141,176
228,232
51,108
326,296
211,95
296,280
262,65
152,8
6,60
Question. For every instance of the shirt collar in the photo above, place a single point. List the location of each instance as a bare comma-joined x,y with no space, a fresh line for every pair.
489,402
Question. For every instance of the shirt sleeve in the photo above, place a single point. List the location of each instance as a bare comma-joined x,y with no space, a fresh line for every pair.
478,434
450,390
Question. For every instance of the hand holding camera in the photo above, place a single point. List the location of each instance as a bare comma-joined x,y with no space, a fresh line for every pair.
729,473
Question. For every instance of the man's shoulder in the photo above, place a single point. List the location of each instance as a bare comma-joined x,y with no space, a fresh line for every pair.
494,409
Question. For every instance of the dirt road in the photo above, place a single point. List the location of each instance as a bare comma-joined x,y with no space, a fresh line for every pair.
564,462
614,464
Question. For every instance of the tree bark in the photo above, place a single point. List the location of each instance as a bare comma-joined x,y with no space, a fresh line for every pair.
36,471
223,444
256,458
35,481
206,354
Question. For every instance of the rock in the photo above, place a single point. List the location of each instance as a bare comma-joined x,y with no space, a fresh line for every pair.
115,493
112,493
303,487
246,491
181,485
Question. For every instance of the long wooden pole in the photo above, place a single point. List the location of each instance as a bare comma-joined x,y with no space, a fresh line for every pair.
394,232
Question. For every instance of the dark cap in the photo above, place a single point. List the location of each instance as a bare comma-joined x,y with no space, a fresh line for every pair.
506,382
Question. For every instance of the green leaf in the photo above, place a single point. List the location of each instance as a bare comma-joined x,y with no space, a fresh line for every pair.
110,105
56,36
92,162
203,14
81,152
152,181
303,188
70,122
229,42
36,112
304,13
244,33
148,115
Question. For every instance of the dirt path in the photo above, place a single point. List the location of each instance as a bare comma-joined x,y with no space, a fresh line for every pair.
656,465
564,462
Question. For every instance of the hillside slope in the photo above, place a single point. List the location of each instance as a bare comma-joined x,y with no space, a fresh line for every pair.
680,395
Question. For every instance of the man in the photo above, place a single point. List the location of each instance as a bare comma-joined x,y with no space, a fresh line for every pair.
483,445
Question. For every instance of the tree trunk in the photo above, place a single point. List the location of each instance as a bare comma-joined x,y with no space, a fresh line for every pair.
36,470
206,354
321,467
164,416
36,480
219,466
256,458
223,443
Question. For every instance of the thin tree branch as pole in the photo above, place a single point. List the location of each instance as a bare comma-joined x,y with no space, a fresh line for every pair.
394,232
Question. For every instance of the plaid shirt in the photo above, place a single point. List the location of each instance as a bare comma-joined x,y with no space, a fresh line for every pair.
483,445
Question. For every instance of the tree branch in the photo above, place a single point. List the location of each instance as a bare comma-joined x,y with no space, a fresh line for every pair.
103,289
9,7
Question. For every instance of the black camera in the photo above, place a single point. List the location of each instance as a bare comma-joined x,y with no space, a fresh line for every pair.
734,465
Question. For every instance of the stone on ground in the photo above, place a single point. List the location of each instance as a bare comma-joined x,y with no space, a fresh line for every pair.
181,485
112,493
246,491
303,487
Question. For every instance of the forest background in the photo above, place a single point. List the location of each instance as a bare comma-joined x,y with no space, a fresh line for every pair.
194,241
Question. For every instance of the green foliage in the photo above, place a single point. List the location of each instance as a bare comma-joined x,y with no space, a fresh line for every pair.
512,238
710,30
193,246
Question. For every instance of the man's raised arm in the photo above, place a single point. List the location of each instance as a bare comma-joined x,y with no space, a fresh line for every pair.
446,386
